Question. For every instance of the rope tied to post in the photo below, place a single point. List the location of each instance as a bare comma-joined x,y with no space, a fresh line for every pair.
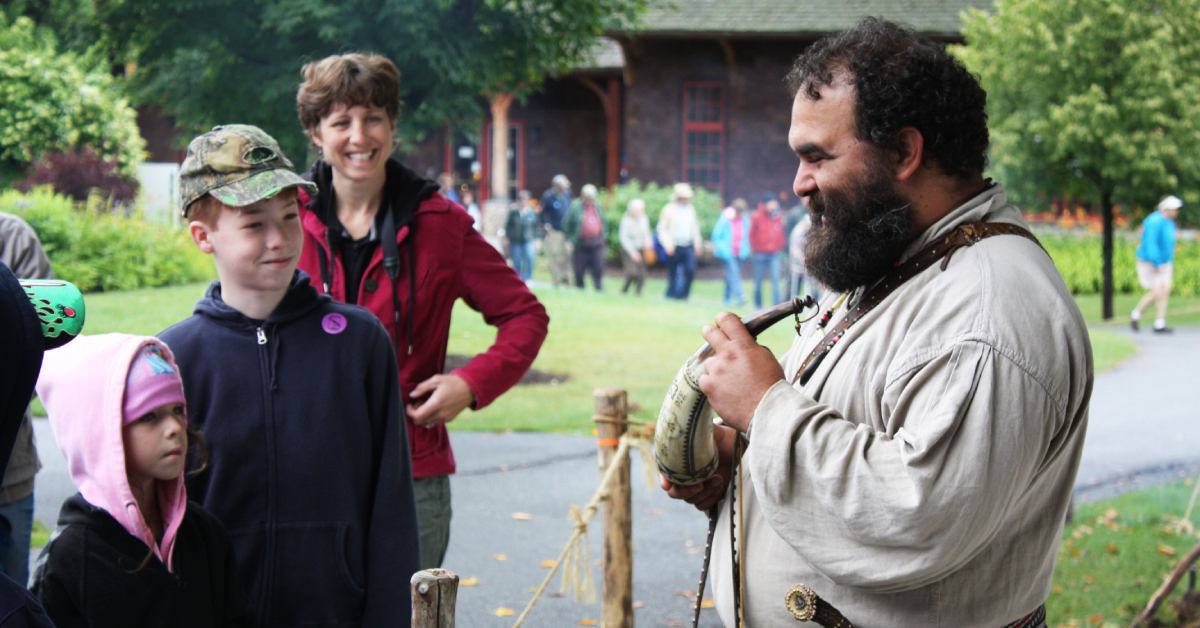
574,558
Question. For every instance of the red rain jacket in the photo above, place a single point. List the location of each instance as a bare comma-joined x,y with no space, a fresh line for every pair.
453,261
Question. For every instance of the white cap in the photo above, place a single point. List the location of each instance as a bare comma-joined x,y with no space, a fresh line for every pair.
682,190
1170,202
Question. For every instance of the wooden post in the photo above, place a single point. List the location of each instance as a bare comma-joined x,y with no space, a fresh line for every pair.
611,422
433,595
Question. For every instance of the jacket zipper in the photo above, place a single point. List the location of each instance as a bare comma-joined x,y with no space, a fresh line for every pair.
266,611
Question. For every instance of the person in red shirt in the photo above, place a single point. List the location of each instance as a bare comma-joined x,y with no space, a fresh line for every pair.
378,235
767,238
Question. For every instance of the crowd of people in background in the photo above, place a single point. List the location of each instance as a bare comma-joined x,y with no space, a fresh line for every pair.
572,233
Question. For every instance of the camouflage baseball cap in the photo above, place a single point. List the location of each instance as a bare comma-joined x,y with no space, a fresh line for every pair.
238,164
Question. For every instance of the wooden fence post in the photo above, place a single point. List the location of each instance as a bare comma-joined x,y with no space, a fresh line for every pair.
611,422
434,592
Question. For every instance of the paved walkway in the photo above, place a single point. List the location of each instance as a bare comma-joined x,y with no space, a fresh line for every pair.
1144,429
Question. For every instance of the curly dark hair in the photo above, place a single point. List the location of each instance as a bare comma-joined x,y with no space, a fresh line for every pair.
902,81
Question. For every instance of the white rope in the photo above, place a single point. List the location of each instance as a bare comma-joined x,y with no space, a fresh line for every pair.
578,563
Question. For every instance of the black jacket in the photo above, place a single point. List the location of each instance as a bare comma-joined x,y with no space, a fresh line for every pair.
87,574
308,459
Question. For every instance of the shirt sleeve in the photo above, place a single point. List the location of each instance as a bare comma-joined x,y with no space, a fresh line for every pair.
393,543
493,288
896,512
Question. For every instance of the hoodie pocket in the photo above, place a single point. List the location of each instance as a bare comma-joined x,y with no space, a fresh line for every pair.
314,584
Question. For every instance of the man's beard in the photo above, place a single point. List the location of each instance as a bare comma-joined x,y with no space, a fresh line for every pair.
857,233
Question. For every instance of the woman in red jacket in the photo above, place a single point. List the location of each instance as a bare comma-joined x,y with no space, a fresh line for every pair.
379,236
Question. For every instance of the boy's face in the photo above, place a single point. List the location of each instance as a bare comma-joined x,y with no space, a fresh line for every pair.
255,247
156,444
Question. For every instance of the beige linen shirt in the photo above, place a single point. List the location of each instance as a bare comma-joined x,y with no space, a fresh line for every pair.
921,477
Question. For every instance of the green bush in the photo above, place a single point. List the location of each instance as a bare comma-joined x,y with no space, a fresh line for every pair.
57,101
615,199
101,250
1078,258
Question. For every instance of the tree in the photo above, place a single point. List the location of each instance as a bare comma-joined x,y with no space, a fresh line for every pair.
214,61
1092,99
56,101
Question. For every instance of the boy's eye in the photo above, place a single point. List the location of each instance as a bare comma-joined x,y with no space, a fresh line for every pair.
252,225
177,409
149,417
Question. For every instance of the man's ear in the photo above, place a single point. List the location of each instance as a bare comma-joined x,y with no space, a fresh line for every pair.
911,152
200,235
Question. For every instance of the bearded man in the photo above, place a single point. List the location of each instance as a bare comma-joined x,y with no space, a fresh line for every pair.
912,456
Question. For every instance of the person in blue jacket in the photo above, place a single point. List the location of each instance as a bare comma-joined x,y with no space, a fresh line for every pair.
299,400
731,245
1155,258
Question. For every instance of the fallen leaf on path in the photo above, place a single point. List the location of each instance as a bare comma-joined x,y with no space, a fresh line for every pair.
588,621
522,516
1166,550
707,603
548,564
500,556
688,594
504,612
468,582
639,604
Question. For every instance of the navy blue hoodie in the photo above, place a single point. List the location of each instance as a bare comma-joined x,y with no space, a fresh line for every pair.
308,460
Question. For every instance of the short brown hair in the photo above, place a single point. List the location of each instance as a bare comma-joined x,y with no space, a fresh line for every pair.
207,209
350,79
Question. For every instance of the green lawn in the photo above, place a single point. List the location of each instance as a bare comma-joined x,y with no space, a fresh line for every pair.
1180,310
1117,553
604,340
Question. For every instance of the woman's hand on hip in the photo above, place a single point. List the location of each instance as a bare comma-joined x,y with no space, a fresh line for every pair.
439,399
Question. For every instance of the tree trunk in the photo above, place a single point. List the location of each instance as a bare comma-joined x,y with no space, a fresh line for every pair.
499,175
1106,212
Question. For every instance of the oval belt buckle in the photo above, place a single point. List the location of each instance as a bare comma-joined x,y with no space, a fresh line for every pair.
801,602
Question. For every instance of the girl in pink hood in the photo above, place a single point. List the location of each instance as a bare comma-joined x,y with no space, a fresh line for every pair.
129,549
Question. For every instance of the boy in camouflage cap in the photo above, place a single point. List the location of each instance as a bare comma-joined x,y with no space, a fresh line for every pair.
299,400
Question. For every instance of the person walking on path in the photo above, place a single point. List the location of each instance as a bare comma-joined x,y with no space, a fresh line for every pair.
521,231
767,239
1155,261
22,251
731,245
556,200
584,228
380,236
635,241
679,233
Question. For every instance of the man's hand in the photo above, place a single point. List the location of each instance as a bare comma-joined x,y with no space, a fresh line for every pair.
738,373
707,493
447,395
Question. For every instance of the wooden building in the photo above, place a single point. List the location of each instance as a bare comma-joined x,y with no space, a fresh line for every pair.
695,93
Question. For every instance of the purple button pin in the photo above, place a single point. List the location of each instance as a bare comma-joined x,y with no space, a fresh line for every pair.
333,324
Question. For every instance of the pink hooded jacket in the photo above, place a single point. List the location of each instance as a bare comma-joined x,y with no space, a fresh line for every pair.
82,386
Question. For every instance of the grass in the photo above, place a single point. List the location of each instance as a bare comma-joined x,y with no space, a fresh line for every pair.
599,340
1180,310
40,536
1116,555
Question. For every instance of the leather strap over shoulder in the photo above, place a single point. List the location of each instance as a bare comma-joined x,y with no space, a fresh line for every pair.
961,236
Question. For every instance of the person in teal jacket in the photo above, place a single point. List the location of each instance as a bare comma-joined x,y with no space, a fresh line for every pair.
1155,259
731,245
